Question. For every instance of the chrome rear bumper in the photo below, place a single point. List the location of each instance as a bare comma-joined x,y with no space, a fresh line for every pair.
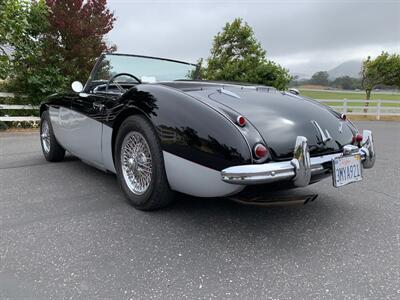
301,167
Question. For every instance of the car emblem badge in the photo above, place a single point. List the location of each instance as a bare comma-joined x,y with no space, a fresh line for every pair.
324,136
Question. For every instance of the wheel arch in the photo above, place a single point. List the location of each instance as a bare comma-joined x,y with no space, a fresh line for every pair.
121,117
187,126
43,108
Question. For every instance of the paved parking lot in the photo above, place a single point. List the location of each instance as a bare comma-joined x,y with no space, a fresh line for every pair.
67,231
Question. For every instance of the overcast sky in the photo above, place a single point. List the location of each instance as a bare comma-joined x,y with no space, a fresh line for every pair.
304,36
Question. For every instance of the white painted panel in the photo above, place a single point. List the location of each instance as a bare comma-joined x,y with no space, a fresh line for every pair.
78,134
190,178
106,148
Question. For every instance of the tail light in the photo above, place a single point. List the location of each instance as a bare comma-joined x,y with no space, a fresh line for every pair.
357,139
260,151
241,121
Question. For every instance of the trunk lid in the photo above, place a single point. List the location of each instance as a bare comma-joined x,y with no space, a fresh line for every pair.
281,117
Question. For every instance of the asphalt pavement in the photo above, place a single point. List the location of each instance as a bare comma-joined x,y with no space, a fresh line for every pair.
66,231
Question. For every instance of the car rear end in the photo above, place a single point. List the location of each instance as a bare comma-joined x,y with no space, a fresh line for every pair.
293,140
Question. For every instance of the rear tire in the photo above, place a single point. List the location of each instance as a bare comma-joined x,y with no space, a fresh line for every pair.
52,150
139,163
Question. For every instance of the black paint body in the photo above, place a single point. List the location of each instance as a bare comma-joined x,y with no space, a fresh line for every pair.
196,121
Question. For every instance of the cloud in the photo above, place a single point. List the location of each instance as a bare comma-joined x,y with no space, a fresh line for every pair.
304,36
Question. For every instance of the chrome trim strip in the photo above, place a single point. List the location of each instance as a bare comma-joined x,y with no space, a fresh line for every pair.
228,92
324,138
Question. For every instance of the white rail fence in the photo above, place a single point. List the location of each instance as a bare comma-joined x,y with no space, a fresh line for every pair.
7,118
375,108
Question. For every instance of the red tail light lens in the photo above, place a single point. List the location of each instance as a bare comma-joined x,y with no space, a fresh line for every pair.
241,121
260,151
357,139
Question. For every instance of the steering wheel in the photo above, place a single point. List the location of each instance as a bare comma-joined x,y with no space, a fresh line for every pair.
120,88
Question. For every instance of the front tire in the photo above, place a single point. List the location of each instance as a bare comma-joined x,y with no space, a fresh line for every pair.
52,150
139,164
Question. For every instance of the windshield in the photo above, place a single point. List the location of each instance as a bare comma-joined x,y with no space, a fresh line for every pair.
145,68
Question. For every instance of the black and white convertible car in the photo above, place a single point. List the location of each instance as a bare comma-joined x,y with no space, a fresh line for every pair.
160,129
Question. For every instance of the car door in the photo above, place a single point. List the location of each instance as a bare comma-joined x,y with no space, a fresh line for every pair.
85,127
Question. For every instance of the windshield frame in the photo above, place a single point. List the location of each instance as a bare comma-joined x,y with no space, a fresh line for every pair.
102,56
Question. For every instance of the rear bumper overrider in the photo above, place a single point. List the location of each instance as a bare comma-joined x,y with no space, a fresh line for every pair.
301,168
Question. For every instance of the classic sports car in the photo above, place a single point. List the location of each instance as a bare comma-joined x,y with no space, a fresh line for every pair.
161,129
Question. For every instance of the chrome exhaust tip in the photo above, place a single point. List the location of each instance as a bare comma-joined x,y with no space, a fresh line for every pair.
276,200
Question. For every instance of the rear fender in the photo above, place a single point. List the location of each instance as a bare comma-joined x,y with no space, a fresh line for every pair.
197,141
187,128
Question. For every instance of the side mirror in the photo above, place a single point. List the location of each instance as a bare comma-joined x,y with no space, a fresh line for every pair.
77,86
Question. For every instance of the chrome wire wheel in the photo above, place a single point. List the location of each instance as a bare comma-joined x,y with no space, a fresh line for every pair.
136,162
45,136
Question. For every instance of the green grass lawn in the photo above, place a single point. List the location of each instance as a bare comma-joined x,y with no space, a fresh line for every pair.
320,94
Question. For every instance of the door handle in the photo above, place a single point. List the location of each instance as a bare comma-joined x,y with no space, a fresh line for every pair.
98,106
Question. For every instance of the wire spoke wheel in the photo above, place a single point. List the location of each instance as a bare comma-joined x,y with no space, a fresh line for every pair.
52,150
139,164
45,136
136,162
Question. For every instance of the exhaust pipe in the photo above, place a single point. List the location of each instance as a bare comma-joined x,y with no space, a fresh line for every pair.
275,200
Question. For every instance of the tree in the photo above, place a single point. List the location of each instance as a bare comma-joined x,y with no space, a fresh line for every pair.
236,55
77,30
383,70
53,42
346,83
21,22
320,78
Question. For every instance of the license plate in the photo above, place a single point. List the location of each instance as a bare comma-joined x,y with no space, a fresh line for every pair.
346,170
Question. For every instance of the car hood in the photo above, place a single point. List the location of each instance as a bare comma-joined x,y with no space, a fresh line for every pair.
281,117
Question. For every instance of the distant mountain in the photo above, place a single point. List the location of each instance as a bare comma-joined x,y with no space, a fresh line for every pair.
350,68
